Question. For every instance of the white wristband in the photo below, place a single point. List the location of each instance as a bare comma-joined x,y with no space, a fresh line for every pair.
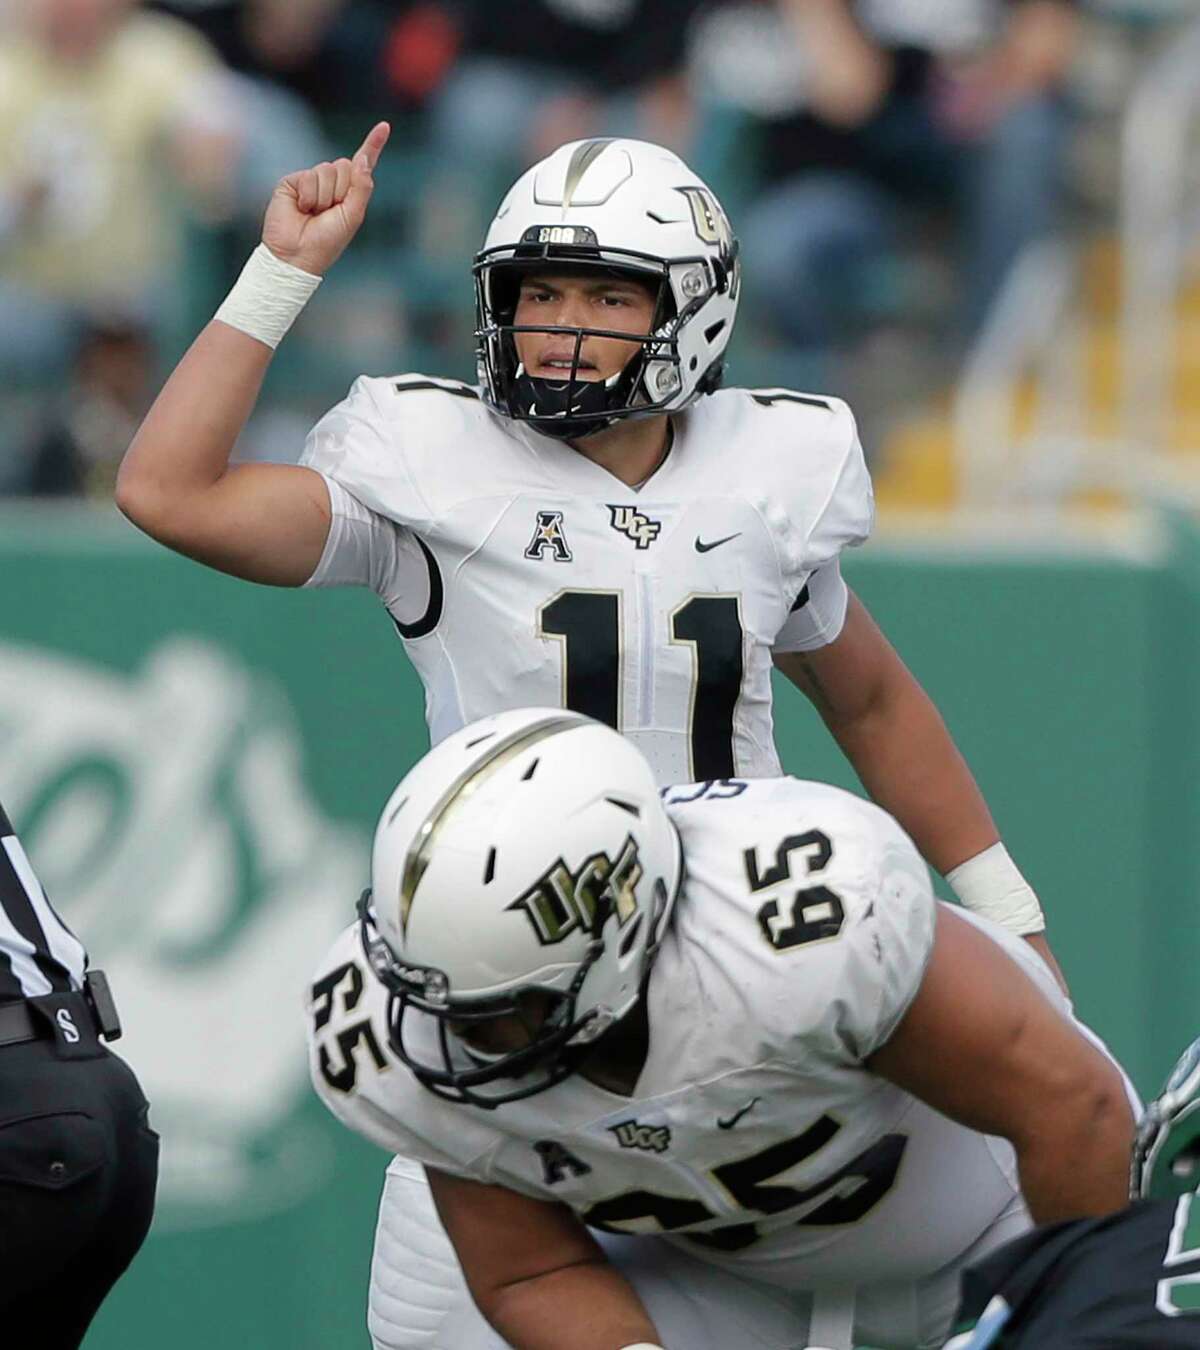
267,297
990,884
642,1345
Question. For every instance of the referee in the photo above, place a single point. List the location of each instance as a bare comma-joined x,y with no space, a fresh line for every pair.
78,1159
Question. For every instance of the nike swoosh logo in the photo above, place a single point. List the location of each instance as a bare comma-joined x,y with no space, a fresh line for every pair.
728,1124
702,547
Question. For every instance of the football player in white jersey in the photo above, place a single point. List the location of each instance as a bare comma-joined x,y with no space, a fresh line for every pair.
736,1020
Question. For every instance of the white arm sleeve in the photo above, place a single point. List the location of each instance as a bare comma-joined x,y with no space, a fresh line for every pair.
819,614
366,549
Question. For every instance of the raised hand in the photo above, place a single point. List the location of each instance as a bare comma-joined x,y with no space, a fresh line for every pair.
314,214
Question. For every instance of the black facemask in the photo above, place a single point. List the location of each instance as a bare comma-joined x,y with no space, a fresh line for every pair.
455,1074
570,408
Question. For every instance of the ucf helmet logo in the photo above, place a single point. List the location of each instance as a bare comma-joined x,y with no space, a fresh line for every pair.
562,901
629,521
712,227
711,222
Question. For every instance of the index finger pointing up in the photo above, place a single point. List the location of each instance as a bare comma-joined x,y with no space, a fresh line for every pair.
369,151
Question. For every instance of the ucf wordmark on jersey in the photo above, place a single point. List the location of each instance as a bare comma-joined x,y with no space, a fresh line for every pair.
755,1137
519,573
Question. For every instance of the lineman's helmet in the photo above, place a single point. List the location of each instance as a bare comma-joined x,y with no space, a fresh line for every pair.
526,861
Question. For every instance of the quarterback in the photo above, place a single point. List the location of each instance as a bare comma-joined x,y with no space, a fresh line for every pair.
678,1068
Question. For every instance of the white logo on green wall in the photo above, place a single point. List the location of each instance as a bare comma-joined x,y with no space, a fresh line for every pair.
168,818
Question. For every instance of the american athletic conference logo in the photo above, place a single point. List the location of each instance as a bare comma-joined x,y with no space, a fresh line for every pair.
548,535
635,525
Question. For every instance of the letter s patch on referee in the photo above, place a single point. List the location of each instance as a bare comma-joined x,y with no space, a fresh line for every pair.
68,1028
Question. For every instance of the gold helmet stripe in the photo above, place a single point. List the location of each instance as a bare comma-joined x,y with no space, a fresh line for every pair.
463,787
581,161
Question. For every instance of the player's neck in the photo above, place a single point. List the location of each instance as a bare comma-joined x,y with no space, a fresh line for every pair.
618,1057
630,450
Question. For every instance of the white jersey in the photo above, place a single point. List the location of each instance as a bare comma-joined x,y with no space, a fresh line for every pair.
755,1137
519,573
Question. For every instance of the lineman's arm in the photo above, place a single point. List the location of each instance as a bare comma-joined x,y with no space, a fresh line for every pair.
535,1272
981,1044
265,522
894,736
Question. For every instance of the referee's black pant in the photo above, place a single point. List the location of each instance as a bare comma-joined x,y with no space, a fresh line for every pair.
78,1169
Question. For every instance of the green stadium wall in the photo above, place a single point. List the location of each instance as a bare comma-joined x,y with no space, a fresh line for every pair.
196,764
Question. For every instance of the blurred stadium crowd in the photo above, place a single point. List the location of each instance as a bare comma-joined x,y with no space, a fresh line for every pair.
885,164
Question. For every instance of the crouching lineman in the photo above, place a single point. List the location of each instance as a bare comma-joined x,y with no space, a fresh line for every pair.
735,1020
1128,1282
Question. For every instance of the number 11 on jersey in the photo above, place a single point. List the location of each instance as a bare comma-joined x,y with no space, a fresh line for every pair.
589,625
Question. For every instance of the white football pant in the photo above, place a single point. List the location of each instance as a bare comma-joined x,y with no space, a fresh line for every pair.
419,1299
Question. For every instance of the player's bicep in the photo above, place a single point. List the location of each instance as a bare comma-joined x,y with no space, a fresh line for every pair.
982,1044
502,1237
845,677
262,522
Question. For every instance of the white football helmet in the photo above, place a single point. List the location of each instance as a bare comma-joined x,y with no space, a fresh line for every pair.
620,206
527,854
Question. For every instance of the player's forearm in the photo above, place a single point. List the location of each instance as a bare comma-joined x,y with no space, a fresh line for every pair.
183,446
182,449
908,762
1079,1167
589,1306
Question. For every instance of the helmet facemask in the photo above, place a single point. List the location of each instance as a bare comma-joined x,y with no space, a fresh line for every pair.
567,409
557,1035
1166,1151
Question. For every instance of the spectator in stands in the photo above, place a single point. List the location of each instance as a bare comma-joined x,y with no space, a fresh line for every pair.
86,426
534,75
894,105
343,59
103,110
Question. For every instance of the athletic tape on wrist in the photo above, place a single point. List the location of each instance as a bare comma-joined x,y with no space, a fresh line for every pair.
642,1345
991,884
267,297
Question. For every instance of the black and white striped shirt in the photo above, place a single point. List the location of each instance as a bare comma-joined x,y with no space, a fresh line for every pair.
38,952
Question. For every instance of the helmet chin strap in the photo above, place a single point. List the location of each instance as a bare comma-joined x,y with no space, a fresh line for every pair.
565,409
